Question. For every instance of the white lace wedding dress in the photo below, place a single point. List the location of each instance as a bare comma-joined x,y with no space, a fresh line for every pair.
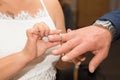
13,38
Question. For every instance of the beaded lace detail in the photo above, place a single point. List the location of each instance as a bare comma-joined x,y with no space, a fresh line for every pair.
23,16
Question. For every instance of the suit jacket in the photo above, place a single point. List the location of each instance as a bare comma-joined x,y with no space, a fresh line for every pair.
114,17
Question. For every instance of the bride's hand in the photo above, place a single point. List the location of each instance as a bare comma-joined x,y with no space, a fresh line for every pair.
43,31
30,49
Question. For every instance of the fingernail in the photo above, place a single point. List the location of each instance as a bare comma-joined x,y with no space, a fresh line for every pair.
50,36
60,30
92,69
83,59
65,58
78,63
54,51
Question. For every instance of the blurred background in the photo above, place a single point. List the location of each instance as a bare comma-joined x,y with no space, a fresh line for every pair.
80,13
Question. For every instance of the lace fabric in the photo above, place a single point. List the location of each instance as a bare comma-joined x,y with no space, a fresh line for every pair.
42,70
24,16
48,74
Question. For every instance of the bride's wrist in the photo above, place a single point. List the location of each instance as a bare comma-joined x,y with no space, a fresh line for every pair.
26,56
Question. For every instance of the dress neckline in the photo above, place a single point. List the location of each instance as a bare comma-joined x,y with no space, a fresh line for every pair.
24,15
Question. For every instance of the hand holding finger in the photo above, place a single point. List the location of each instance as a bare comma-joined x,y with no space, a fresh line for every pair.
42,29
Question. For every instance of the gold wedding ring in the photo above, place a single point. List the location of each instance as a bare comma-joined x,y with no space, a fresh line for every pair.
61,41
76,69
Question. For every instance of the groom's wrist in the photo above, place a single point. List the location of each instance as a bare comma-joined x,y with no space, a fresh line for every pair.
108,25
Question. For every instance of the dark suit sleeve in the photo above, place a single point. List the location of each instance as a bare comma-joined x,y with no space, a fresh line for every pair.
114,18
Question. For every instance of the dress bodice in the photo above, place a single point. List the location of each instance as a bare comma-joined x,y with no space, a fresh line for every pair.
13,39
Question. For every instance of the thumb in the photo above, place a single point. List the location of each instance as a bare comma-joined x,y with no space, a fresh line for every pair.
96,60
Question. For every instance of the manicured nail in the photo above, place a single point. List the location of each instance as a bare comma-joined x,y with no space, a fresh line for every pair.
92,69
60,30
83,59
65,58
78,63
54,51
50,36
